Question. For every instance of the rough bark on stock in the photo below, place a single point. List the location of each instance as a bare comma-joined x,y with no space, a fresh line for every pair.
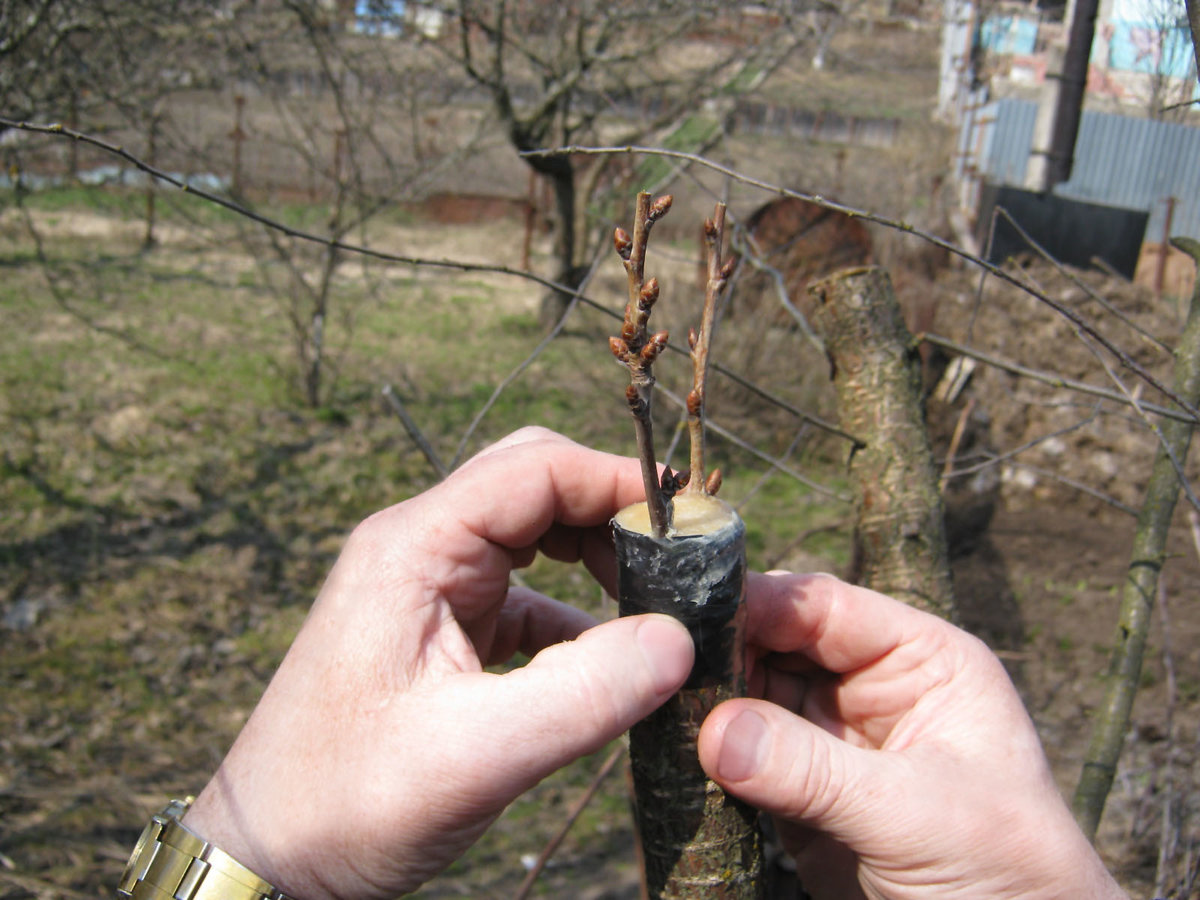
697,841
1141,582
899,534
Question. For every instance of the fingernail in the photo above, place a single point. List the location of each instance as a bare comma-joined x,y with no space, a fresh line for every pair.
659,640
743,747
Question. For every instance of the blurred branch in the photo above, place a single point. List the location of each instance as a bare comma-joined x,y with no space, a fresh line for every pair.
1075,280
384,256
521,367
773,461
1079,486
414,432
1125,359
1137,601
63,295
1050,378
575,811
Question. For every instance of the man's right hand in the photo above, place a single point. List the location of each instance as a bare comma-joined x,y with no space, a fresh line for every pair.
894,753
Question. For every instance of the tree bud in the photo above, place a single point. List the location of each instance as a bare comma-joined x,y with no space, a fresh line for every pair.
713,483
654,347
693,338
668,482
727,269
695,402
622,242
619,348
661,206
649,293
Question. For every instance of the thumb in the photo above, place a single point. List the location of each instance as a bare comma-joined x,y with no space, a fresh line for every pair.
572,698
791,768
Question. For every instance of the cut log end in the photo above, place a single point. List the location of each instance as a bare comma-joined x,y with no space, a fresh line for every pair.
695,514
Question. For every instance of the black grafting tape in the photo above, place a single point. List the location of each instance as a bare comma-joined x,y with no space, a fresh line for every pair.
697,579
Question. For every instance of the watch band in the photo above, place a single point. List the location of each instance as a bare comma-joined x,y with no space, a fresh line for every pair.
171,863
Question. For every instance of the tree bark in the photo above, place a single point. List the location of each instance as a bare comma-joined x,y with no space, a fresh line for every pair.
1141,582
899,534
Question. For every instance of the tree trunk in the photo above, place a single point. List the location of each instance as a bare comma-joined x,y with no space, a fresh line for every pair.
555,303
1141,583
899,534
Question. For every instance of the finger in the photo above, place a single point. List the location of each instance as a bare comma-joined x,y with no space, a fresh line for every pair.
528,623
457,542
793,769
838,626
552,479
525,435
570,700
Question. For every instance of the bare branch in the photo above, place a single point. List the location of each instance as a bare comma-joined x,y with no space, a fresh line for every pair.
414,432
573,814
700,343
1125,359
773,461
521,367
1050,378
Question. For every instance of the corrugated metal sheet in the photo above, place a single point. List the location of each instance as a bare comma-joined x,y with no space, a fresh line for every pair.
1119,161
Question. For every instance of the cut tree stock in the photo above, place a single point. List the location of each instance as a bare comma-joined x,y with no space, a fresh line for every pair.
682,553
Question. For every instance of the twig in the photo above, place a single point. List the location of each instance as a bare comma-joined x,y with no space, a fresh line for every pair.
750,253
1078,282
955,439
700,343
1050,378
512,376
401,259
59,130
993,459
1172,456
414,432
273,224
803,536
758,485
637,349
764,456
1079,486
575,811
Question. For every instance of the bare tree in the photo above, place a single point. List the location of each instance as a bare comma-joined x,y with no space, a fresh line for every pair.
557,74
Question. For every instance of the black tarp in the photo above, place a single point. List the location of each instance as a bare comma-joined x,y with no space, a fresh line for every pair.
1071,231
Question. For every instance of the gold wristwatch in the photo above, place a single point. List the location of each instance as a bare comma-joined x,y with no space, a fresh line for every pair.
171,863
